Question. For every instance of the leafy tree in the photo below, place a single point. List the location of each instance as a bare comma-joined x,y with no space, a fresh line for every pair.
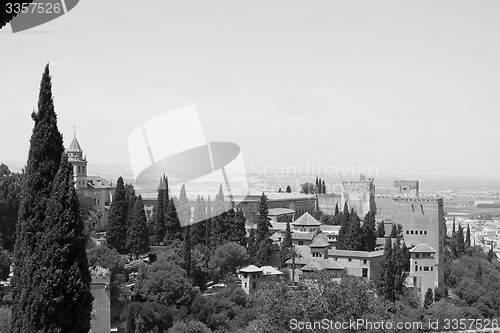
64,299
46,148
237,227
5,263
147,317
138,234
227,259
116,234
164,282
105,257
286,245
160,228
429,298
308,188
199,266
381,229
327,219
293,253
288,189
191,326
479,274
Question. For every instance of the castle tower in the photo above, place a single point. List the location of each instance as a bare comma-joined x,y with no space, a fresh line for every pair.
359,195
407,188
79,162
424,269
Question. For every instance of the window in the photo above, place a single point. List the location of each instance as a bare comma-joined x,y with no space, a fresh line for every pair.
245,275
417,255
365,272
364,262
416,268
420,231
350,259
426,268
301,242
407,232
253,276
246,284
425,232
420,268
254,285
412,232
432,268
335,259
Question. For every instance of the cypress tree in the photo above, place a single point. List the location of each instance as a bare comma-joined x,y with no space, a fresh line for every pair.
368,231
116,233
184,208
46,147
460,240
453,231
317,182
172,223
387,282
187,249
279,190
262,255
354,238
208,225
381,229
199,217
286,245
337,209
467,237
252,245
342,238
11,185
160,224
64,300
263,224
239,232
491,254
394,231
429,298
138,235
288,189
130,197
323,187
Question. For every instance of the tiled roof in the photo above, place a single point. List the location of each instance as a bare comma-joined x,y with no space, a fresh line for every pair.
250,269
320,240
322,264
74,147
278,226
423,248
280,211
270,270
303,235
276,236
306,219
359,254
330,228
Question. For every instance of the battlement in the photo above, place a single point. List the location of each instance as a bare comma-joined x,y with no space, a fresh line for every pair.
407,188
406,199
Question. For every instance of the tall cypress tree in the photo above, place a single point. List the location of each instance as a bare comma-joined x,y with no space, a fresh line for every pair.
184,208
116,234
342,238
460,240
172,223
63,277
138,235
286,245
381,229
323,187
453,230
368,231
208,225
337,209
263,224
46,147
354,237
238,230
467,237
288,189
198,228
252,246
160,213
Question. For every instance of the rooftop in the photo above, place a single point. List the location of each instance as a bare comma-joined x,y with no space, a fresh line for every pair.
280,211
303,235
355,254
250,269
270,270
329,228
306,219
298,261
423,248
320,241
322,264
74,147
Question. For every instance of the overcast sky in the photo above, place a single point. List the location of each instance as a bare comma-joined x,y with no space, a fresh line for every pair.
407,87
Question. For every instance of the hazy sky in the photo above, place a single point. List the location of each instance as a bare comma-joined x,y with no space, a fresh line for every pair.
406,87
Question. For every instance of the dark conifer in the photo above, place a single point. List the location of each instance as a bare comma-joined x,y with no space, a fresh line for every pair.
286,245
429,298
368,231
252,245
337,209
116,233
238,230
467,237
138,235
199,222
208,225
394,231
381,229
173,226
46,147
64,300
288,189
263,224
160,215
187,249
184,208
460,240
323,186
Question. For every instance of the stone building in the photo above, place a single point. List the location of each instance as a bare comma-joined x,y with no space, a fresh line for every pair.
91,190
359,195
424,269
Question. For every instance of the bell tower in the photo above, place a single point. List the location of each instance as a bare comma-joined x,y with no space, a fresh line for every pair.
79,162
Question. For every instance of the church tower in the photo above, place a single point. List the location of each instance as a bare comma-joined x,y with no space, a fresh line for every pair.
79,162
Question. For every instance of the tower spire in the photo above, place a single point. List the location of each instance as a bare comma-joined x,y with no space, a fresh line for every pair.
74,131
